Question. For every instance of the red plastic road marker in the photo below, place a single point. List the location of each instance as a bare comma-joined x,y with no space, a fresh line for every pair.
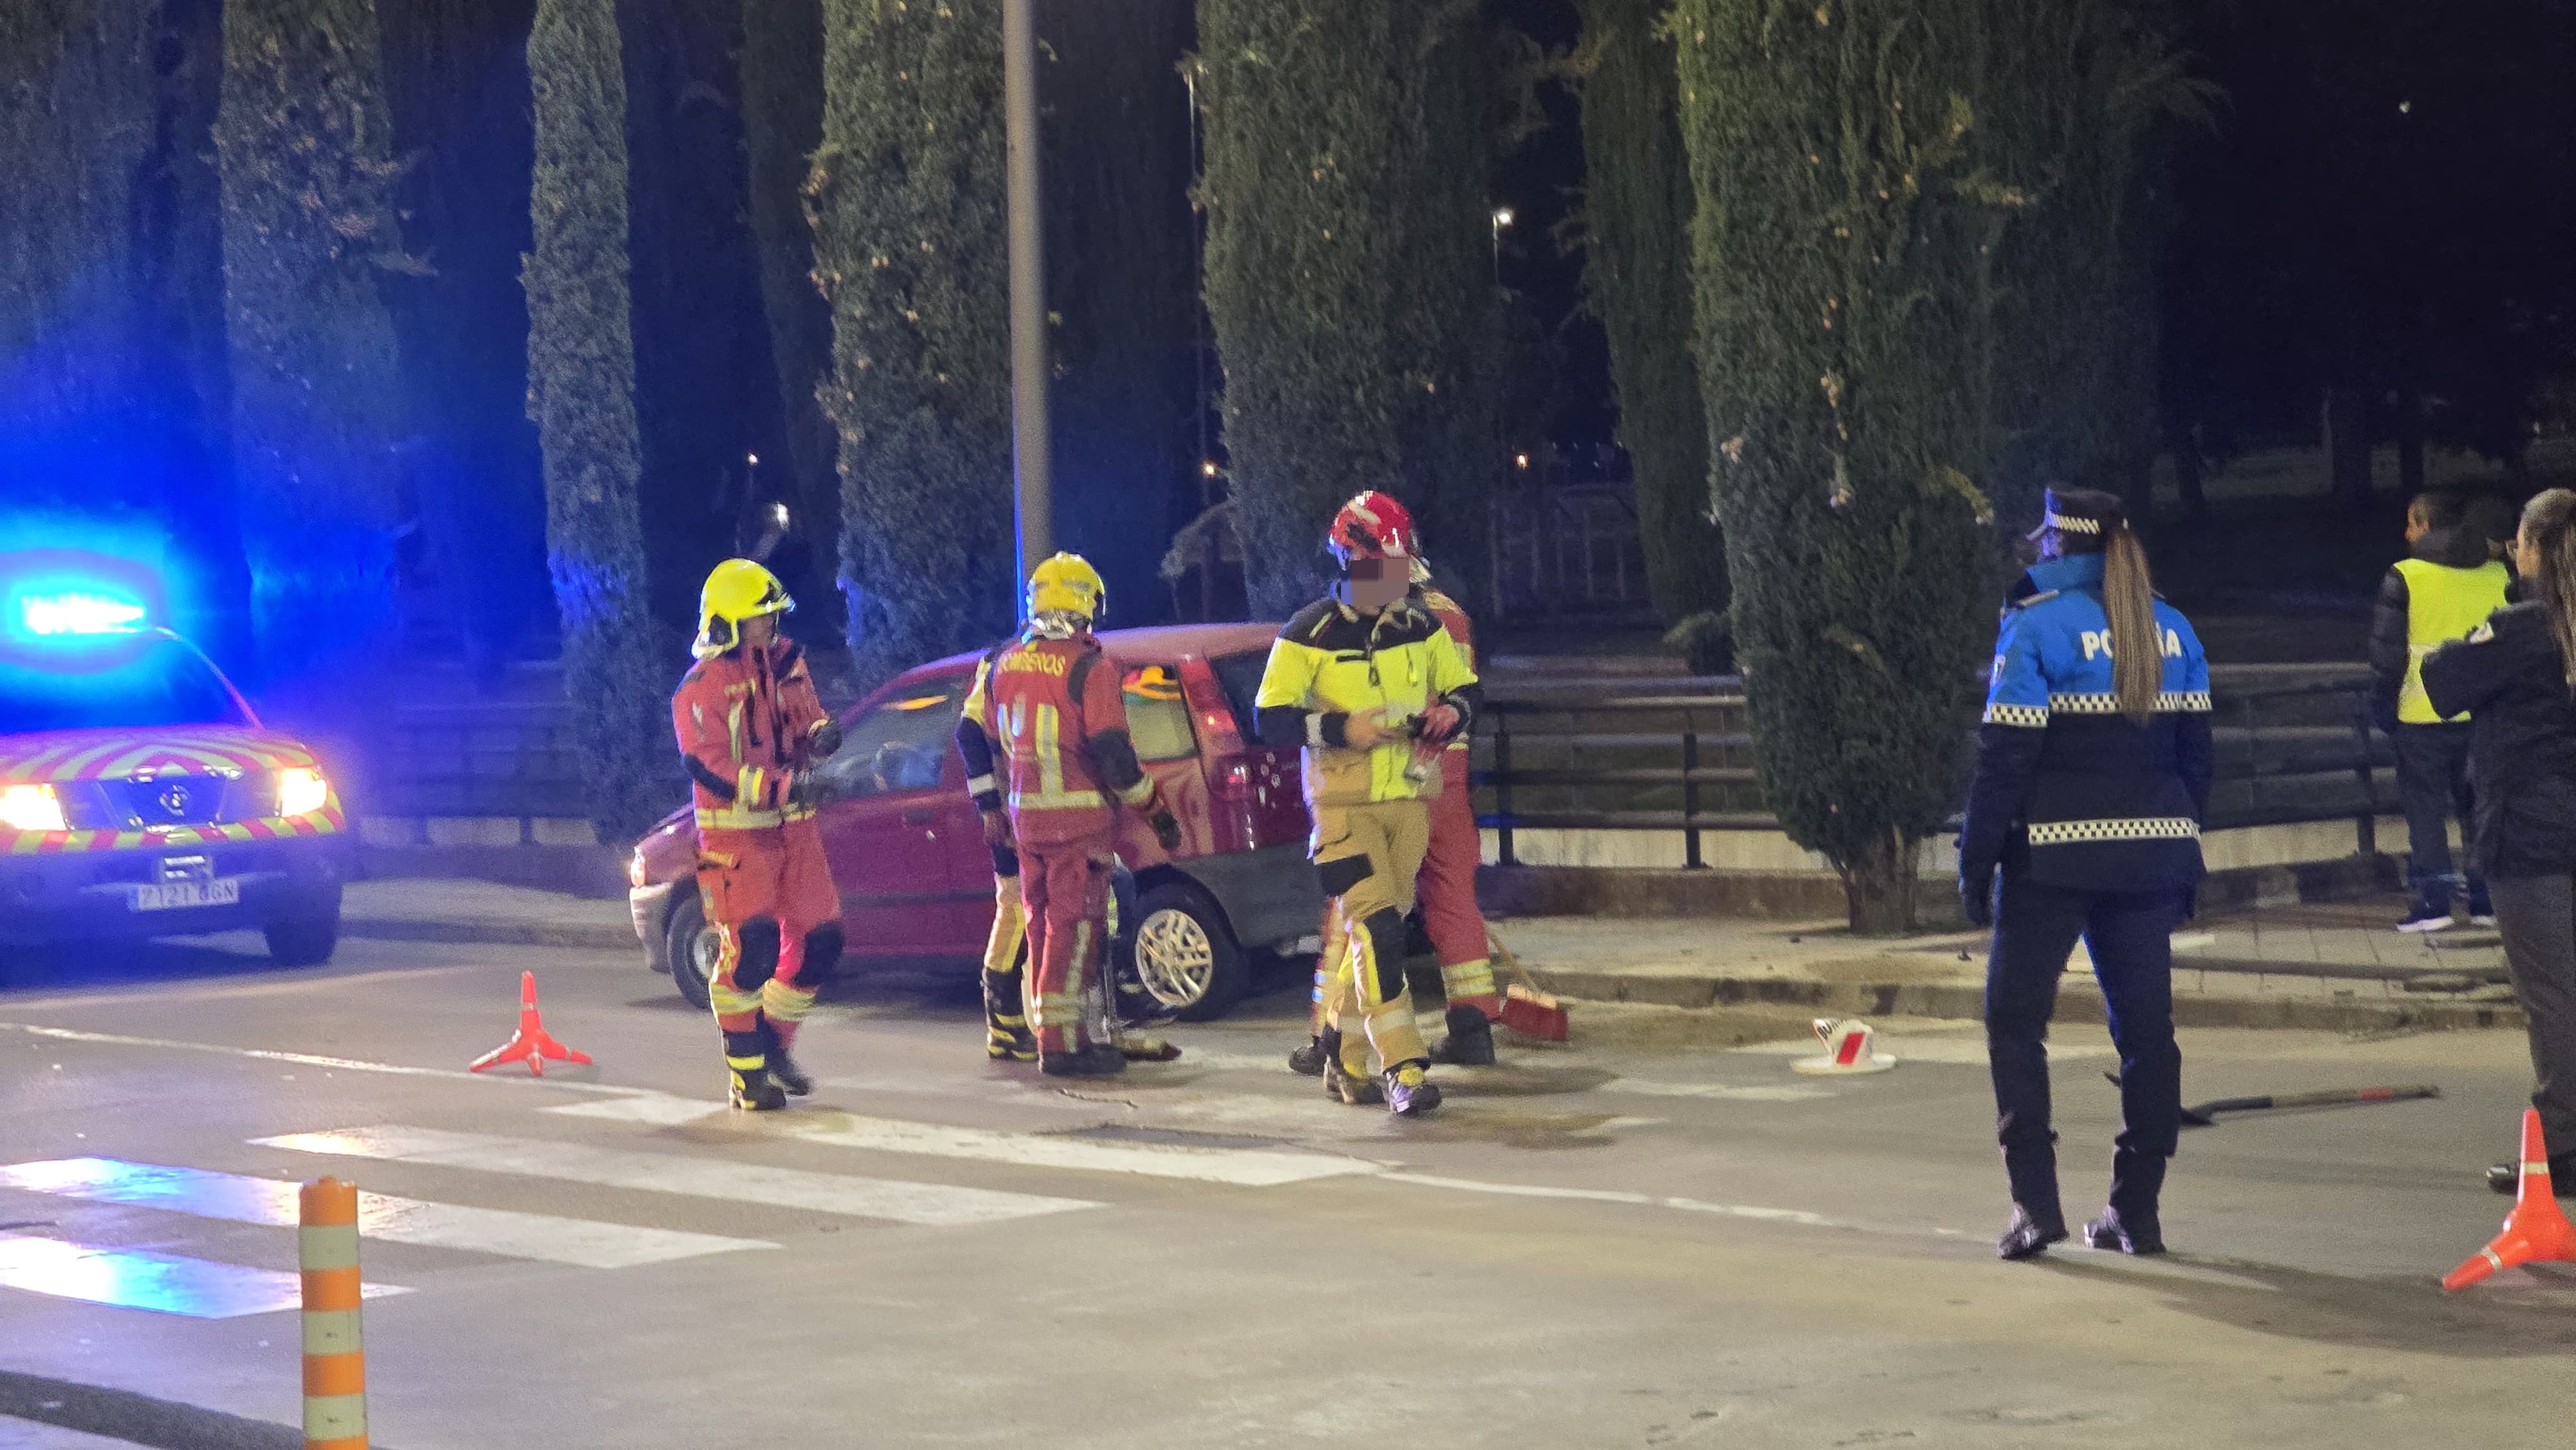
2536,1232
531,1044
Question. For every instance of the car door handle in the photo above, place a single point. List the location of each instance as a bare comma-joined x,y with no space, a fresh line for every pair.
917,818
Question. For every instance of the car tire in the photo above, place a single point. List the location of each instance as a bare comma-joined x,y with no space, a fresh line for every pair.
692,949
1185,956
305,941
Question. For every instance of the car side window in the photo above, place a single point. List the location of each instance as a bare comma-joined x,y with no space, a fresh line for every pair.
1158,720
901,745
1240,677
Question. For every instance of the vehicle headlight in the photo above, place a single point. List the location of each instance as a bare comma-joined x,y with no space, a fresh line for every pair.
637,874
32,808
301,790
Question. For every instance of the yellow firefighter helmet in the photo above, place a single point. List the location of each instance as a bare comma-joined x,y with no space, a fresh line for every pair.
1066,584
738,590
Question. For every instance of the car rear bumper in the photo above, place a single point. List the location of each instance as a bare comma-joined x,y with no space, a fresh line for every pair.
1271,896
649,907
89,895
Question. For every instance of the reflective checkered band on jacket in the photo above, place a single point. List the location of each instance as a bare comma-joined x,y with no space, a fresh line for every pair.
2065,525
2135,828
2029,717
2171,702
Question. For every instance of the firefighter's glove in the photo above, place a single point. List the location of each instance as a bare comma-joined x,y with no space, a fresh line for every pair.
807,790
1167,828
1977,895
1437,725
826,738
997,828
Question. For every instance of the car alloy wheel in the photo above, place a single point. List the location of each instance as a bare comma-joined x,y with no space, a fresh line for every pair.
1174,958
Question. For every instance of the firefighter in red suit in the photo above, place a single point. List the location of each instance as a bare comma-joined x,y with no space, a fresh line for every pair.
1066,766
753,733
1446,892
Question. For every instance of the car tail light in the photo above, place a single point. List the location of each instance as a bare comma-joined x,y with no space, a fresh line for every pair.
301,791
1210,715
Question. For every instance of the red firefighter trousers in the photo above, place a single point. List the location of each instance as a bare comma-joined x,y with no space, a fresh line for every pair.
1064,891
768,894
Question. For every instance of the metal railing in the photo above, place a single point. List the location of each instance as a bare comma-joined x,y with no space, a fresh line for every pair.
1682,761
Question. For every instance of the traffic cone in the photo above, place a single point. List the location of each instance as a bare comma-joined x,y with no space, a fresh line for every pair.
1849,1044
531,1044
2537,1231
1527,1010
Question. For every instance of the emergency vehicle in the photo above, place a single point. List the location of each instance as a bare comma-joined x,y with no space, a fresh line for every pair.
140,795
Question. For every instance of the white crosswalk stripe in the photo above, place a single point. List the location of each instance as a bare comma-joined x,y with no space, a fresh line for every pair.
1242,1167
931,1204
162,1283
238,1199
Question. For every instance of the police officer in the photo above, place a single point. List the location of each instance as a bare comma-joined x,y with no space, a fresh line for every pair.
2093,771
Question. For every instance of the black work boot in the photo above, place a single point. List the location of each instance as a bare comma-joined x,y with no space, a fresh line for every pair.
1409,1094
756,1092
1470,1042
1006,1025
2037,1220
1351,1089
782,1068
2130,1224
1323,1047
1092,1059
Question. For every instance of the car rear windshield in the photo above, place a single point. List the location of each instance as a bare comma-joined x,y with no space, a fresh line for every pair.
1158,720
1241,677
127,685
900,745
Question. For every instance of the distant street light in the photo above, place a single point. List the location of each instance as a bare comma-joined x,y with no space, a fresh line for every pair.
1034,497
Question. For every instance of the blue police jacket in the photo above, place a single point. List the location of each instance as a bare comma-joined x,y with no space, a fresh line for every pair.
2067,790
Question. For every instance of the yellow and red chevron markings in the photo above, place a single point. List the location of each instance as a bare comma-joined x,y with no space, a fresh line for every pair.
60,757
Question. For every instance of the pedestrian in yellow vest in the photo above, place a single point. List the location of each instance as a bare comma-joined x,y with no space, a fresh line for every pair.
2445,587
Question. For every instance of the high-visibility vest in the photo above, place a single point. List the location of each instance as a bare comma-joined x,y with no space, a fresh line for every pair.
2442,604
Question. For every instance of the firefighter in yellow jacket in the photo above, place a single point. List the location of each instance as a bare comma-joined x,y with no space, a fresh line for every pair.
1357,680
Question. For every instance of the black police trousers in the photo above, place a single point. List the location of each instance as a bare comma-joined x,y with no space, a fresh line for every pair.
2129,934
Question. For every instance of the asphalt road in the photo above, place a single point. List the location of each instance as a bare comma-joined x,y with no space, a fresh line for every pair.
1597,1246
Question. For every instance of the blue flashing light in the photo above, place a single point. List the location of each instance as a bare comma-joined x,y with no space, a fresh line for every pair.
47,615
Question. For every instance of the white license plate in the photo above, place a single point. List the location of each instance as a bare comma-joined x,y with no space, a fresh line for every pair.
175,895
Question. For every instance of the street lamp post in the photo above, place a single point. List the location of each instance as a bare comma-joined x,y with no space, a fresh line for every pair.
1035,495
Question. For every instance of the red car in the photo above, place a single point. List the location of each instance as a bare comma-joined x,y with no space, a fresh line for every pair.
916,880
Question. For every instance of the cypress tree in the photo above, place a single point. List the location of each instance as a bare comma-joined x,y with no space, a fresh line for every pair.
782,120
305,149
581,395
1843,240
1349,273
1877,184
906,201
76,93
1637,278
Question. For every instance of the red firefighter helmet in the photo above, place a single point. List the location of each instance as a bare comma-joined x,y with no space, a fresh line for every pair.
1373,526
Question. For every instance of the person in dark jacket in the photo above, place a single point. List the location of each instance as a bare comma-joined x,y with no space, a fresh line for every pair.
2515,674
2446,587
2093,774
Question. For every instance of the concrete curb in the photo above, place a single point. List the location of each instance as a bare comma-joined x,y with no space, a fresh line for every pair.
2079,1001
602,938
137,1419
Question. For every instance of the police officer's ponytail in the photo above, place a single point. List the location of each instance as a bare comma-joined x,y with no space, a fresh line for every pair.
2549,522
2129,598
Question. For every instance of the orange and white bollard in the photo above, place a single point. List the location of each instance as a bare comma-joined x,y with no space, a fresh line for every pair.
335,1367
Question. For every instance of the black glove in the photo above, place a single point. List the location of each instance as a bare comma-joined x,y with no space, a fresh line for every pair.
1167,829
807,789
1977,895
827,739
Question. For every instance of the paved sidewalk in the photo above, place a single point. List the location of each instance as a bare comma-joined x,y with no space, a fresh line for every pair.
2334,966
458,910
